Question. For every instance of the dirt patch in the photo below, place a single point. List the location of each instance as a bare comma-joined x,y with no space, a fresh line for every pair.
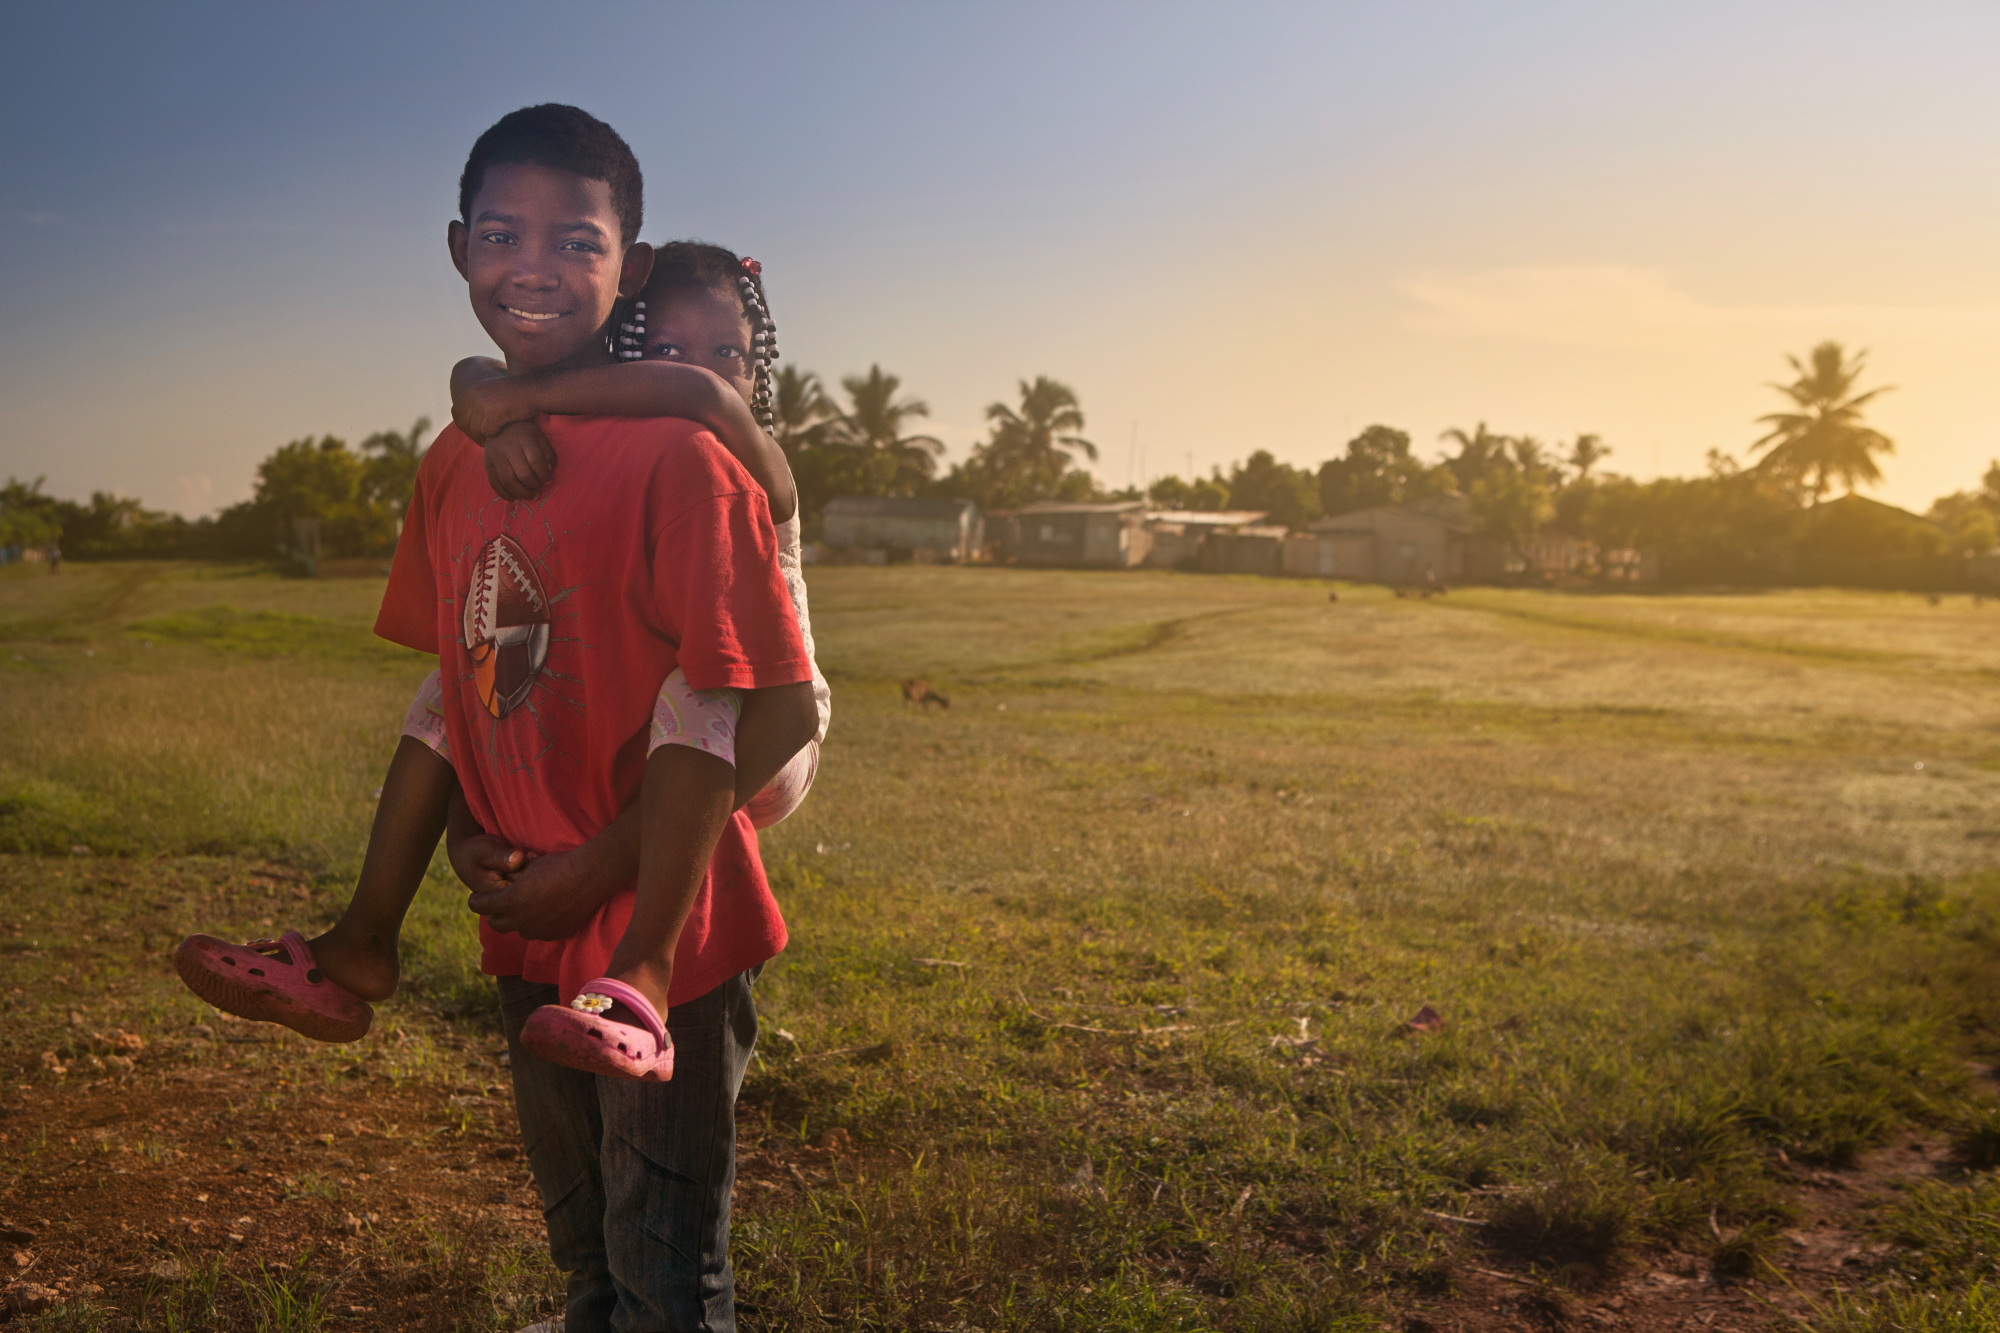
397,1206
1826,1249
388,1198
411,1207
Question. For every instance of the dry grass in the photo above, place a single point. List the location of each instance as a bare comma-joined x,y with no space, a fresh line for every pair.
1667,866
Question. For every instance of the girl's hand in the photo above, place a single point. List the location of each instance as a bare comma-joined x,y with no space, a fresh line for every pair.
519,461
484,408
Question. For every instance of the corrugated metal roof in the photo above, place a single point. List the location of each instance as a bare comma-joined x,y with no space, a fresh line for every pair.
897,506
1206,518
1360,519
1069,507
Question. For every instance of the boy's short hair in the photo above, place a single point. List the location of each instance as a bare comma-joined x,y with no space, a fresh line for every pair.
563,138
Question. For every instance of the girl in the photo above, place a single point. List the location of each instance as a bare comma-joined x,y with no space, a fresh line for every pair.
697,344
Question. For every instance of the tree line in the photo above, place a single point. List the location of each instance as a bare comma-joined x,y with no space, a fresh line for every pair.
357,496
1740,523
1758,522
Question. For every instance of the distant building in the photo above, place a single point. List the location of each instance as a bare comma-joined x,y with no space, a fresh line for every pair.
1178,534
1394,544
1982,572
1329,555
1103,536
902,527
1247,549
1856,542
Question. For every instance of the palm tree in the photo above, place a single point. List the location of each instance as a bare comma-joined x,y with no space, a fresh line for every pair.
1587,453
1531,455
800,410
873,425
1479,453
1825,440
387,480
1036,439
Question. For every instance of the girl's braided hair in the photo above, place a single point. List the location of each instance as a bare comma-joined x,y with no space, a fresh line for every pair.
699,266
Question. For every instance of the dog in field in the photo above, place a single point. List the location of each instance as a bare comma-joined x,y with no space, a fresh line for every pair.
918,691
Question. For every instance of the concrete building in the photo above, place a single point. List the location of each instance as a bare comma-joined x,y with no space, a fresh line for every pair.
1178,534
1328,555
901,527
1248,549
1397,545
1103,536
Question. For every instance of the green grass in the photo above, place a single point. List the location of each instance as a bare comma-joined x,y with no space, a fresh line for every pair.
1668,867
1973,1310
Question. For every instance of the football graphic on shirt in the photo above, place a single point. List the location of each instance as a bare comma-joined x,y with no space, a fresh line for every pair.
506,625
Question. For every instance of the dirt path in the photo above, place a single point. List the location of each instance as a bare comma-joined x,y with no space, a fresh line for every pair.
409,1207
1827,1249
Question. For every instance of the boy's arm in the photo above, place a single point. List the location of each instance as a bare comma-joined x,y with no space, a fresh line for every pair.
486,406
551,897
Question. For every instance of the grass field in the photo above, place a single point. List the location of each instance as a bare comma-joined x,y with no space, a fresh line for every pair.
1103,975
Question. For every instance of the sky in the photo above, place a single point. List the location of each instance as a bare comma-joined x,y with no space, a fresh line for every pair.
1227,227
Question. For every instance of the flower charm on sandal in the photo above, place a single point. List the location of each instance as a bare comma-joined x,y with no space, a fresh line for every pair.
591,1004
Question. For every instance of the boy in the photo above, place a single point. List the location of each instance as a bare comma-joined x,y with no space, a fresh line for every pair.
555,621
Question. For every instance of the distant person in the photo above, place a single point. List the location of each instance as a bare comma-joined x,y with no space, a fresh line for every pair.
54,554
562,623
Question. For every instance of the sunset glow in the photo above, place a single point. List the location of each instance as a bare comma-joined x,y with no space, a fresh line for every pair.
1228,231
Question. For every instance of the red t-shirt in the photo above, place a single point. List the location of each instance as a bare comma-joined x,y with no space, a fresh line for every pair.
557,619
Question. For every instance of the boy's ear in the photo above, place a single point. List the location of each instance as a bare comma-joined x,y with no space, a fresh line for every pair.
456,237
632,277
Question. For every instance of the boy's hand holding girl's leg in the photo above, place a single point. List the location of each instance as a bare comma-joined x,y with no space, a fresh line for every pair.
552,896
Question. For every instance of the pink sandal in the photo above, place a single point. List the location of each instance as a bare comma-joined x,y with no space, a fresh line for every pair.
579,1036
272,981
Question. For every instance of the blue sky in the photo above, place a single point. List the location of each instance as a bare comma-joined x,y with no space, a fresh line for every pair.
1233,227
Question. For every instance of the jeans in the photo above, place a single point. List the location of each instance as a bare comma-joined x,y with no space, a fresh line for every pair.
635,1178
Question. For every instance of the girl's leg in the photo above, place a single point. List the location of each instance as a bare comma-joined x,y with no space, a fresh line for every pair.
685,802
359,952
695,781
772,778
786,792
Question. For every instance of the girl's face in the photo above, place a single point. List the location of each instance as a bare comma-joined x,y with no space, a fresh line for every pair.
703,327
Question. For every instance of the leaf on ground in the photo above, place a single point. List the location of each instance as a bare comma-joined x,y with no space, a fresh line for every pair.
1426,1020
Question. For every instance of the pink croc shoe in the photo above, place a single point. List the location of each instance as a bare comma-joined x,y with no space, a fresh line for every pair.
272,981
579,1036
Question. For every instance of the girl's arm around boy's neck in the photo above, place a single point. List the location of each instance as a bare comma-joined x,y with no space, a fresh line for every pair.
491,406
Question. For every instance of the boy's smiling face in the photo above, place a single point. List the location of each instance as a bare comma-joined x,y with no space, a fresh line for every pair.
544,260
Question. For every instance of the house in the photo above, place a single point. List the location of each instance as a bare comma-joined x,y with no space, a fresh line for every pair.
1629,565
948,531
1249,549
1396,544
1178,534
1855,542
1328,555
1103,536
1982,572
